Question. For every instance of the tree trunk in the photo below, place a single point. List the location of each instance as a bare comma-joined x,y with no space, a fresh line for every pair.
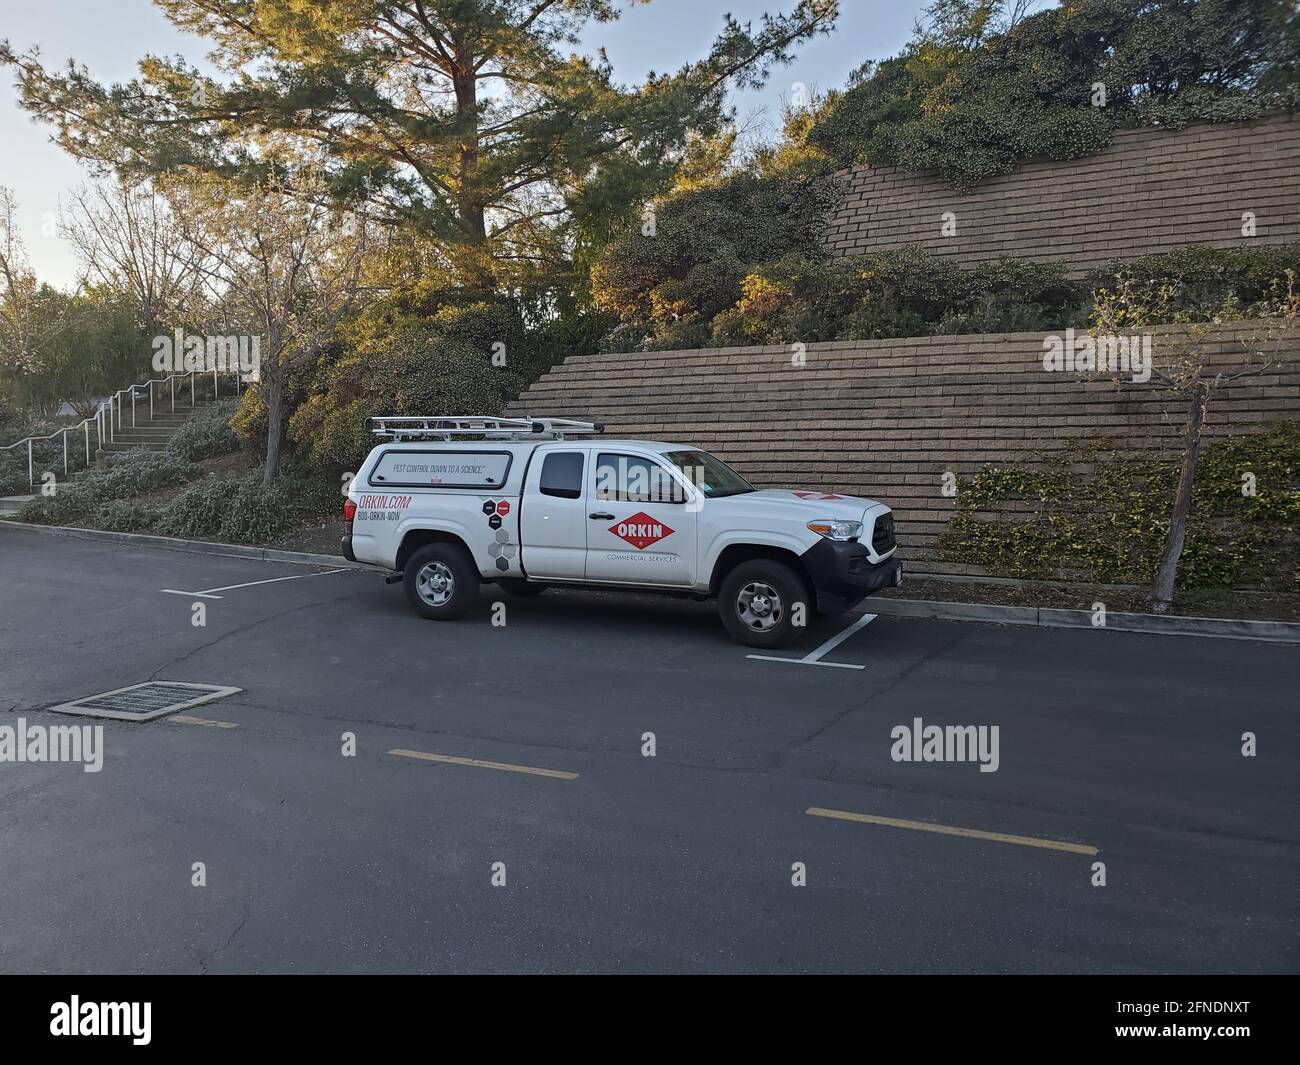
1162,596
469,191
476,268
274,399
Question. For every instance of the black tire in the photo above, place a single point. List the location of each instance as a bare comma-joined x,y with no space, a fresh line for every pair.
758,602
518,587
450,564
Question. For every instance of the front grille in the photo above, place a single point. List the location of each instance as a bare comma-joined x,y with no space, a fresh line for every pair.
882,535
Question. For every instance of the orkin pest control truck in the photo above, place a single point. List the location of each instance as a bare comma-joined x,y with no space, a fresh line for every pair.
449,503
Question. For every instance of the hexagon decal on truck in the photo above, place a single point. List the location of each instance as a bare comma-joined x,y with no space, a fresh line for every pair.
640,530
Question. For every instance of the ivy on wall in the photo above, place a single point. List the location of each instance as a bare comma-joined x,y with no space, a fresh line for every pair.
1094,513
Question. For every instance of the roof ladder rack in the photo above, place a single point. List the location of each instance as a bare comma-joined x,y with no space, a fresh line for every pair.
486,427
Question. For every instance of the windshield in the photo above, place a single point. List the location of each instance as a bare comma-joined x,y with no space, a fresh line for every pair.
710,475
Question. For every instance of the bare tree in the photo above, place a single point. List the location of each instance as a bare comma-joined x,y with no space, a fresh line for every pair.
127,238
17,291
283,261
1199,355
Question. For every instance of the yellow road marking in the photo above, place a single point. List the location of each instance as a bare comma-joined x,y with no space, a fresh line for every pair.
953,830
186,719
506,766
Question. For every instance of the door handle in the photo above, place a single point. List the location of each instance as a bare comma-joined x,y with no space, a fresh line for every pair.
600,515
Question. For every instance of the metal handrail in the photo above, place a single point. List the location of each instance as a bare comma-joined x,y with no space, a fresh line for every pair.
103,417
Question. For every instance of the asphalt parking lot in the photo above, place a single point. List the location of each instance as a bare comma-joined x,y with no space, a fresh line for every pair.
1129,745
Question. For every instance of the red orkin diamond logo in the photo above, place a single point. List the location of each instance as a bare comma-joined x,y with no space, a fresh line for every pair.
641,530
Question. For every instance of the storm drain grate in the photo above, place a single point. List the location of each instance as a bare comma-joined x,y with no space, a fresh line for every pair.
144,702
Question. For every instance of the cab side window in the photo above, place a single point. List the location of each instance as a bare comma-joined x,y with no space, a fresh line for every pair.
562,475
634,479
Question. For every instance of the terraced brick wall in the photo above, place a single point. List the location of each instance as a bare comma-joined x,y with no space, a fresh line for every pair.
888,418
1150,191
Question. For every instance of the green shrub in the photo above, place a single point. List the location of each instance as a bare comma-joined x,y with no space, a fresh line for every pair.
1207,277
248,422
208,434
971,105
241,510
261,512
125,515
197,512
1105,517
129,475
669,286
916,292
908,292
406,365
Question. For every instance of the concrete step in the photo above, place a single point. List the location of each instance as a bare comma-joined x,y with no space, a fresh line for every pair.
152,445
163,422
180,414
10,505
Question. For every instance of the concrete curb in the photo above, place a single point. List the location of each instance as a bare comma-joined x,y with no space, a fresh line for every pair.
195,547
1050,617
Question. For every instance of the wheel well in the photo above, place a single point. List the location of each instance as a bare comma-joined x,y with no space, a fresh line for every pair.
734,555
418,538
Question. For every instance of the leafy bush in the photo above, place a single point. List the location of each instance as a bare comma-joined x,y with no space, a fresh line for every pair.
671,285
208,434
915,292
909,292
240,510
969,105
1207,277
125,515
130,474
397,364
197,512
1106,517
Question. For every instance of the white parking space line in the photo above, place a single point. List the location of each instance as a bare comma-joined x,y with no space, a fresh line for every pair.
814,657
207,593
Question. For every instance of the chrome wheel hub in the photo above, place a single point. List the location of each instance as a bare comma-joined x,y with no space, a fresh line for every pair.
435,584
759,606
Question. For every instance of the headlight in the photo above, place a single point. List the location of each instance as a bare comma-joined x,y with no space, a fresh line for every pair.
837,530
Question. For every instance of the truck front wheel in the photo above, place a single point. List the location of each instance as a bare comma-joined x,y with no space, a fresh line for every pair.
441,581
763,604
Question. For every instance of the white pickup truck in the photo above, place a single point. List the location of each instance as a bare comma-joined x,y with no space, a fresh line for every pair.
448,503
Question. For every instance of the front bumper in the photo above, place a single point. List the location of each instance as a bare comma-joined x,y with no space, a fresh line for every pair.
843,573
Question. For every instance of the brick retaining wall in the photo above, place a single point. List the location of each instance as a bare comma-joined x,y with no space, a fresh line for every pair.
887,418
1150,191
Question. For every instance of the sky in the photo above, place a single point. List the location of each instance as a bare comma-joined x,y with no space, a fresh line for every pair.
109,37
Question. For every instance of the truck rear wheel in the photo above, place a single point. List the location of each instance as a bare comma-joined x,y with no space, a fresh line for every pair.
441,581
760,601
